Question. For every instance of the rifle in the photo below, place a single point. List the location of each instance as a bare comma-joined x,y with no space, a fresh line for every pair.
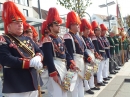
122,52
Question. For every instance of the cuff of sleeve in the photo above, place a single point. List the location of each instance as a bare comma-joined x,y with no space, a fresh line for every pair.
72,64
96,55
89,59
53,74
39,54
26,63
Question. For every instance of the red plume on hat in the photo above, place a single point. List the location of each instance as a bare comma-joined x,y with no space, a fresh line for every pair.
44,27
103,27
35,34
10,14
53,16
91,33
72,18
94,25
26,27
84,24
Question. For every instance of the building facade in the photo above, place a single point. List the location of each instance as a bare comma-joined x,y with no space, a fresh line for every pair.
25,6
102,19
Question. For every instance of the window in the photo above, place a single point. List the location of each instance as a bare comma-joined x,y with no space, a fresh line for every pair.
17,1
94,18
25,12
1,6
24,2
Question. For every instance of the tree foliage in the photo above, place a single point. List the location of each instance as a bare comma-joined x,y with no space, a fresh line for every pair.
128,20
79,6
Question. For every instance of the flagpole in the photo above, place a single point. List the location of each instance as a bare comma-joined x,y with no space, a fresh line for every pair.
120,22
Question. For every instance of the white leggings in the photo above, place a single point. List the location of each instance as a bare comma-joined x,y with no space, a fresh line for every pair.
24,94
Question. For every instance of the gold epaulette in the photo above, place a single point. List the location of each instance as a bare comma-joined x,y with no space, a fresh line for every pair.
66,36
46,39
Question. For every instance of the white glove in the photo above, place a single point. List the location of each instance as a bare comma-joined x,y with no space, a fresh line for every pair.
36,62
38,66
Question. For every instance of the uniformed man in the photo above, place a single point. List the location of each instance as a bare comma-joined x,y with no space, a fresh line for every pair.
107,50
27,31
99,46
117,51
56,55
76,49
35,35
85,27
31,32
121,48
113,64
20,63
125,45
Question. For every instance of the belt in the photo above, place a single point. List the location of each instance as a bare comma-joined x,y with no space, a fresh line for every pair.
6,67
117,44
112,46
79,55
102,50
106,47
63,60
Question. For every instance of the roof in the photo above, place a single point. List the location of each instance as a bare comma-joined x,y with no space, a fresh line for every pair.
101,16
104,17
43,12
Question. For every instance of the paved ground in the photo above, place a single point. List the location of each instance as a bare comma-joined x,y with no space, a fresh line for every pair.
115,88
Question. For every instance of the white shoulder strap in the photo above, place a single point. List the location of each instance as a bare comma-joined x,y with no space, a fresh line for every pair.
72,42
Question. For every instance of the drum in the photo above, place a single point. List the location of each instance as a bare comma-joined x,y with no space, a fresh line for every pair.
89,70
91,54
60,66
80,64
97,61
70,81
95,68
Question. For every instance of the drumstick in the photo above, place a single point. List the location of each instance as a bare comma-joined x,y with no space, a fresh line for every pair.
61,88
80,76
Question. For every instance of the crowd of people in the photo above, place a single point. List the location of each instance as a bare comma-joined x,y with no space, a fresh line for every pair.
87,52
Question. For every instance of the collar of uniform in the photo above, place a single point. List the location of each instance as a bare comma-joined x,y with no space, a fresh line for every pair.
72,32
53,35
85,36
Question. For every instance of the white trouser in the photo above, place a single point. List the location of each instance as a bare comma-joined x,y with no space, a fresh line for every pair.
99,72
79,89
89,83
105,71
24,94
54,90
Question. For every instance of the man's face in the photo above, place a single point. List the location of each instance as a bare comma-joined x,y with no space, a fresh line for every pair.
103,33
112,34
16,28
86,31
29,34
35,39
97,31
55,28
75,28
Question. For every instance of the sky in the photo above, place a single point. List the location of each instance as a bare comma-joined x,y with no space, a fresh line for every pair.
92,9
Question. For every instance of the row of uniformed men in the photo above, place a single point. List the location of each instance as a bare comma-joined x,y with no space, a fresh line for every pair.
70,50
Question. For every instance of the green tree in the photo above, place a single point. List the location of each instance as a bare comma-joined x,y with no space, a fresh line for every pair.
79,6
128,20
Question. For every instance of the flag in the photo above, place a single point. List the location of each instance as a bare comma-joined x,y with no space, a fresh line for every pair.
119,17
